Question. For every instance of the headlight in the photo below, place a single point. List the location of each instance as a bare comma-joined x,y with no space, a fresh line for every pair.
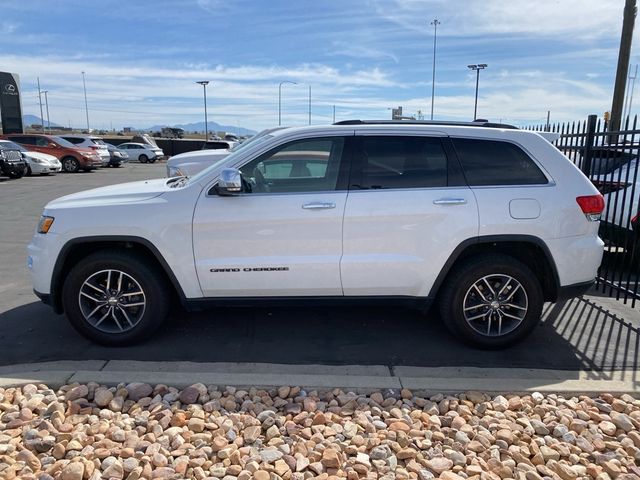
175,172
45,224
117,154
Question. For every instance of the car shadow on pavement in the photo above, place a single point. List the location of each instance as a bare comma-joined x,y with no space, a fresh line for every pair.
575,335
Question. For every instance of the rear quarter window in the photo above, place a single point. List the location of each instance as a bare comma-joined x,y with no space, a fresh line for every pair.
494,162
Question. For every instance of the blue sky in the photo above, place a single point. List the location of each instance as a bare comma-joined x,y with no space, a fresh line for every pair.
142,58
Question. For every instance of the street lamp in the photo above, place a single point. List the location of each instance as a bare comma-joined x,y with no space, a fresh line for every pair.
86,106
46,102
435,24
477,68
204,84
280,99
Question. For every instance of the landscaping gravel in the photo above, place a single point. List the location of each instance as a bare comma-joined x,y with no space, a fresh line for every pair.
139,431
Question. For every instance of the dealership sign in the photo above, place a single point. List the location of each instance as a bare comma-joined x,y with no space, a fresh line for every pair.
10,104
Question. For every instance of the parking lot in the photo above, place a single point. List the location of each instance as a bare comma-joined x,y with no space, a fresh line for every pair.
594,333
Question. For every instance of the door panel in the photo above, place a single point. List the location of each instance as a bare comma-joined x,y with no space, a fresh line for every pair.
283,236
402,220
397,241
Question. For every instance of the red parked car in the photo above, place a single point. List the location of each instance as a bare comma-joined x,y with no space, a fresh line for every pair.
72,157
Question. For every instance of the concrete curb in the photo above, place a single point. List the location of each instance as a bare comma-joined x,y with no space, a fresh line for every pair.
357,378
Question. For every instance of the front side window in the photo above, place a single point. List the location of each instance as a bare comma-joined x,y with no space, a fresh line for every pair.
309,165
400,162
493,162
42,142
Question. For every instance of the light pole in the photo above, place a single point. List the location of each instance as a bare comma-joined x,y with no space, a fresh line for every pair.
280,99
309,104
86,106
435,24
477,68
40,101
46,102
204,84
334,114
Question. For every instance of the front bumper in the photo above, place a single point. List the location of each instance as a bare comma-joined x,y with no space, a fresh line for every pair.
13,168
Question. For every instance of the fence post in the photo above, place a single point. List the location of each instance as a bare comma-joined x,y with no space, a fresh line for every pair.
588,144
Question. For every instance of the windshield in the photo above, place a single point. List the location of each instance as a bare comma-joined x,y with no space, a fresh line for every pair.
7,145
63,143
230,158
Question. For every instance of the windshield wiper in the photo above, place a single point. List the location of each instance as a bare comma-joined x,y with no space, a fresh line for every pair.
177,181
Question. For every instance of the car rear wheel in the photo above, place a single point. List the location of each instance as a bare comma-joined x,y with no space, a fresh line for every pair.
143,158
491,301
115,298
70,165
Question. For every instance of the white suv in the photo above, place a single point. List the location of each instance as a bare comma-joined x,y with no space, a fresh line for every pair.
94,143
489,221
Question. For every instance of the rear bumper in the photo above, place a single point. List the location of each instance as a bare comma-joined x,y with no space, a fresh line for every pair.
571,291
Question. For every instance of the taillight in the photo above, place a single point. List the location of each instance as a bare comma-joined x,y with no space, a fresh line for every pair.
93,147
592,206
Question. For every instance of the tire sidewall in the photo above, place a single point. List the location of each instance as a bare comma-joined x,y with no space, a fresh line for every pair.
143,158
464,281
149,280
71,161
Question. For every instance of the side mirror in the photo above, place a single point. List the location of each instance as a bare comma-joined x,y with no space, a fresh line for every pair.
230,182
53,145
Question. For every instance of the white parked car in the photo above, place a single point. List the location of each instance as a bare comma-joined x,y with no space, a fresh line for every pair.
489,221
190,163
37,163
142,152
94,143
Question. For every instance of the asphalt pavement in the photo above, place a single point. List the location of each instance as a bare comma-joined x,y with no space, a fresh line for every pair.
595,334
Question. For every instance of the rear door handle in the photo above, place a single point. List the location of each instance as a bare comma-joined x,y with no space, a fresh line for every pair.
318,205
450,201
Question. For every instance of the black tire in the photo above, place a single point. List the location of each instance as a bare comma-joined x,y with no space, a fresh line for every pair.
459,287
152,160
16,175
143,158
150,279
70,165
29,172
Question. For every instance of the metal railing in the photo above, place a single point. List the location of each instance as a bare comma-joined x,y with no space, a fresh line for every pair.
610,160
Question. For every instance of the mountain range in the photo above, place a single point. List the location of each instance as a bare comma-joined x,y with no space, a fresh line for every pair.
212,126
187,127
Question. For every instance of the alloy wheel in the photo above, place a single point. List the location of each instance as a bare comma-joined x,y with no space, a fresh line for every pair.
495,305
112,301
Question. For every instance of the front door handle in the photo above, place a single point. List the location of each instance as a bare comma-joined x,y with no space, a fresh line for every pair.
318,205
450,201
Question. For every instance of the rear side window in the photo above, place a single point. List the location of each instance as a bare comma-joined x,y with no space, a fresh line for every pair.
25,140
401,162
492,162
74,140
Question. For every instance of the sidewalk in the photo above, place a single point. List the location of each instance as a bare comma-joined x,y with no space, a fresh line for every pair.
357,378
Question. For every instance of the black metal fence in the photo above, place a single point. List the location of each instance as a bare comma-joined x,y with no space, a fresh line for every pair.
610,160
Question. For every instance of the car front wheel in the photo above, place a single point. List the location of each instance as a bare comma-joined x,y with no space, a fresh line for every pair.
143,158
70,165
491,301
115,298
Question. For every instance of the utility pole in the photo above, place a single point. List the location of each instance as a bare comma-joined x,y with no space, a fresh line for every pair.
624,53
46,102
334,114
548,127
86,105
435,24
40,101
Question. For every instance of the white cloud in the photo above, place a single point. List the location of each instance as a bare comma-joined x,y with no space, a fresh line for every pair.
7,28
571,20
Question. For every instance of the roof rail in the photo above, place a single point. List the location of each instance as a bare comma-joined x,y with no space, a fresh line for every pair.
476,123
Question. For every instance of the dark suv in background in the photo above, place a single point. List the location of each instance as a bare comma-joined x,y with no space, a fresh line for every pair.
12,164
